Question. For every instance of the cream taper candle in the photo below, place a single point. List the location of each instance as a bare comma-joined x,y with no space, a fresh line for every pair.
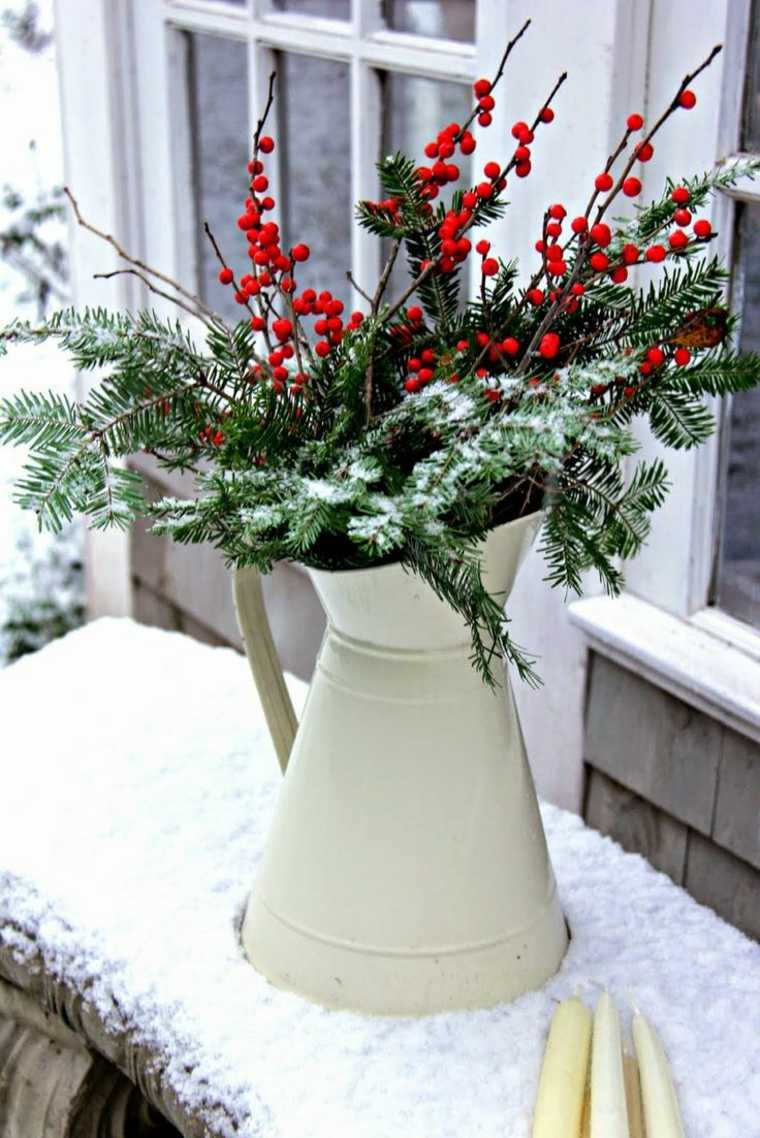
563,1075
661,1114
609,1113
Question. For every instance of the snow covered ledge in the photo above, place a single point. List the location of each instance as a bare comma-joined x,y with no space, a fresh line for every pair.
708,661
133,812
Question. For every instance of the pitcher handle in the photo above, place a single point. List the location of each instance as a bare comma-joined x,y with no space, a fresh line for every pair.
264,661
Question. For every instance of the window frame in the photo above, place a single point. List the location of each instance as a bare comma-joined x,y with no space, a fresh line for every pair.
691,647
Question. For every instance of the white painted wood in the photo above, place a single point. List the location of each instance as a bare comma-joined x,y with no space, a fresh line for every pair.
91,76
674,569
679,655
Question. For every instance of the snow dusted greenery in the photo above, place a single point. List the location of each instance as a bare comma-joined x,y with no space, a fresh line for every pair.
345,466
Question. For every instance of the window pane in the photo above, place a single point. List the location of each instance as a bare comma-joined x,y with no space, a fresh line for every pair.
445,19
414,111
334,9
751,139
739,578
315,152
210,94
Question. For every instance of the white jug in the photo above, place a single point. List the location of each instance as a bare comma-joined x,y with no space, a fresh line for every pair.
406,870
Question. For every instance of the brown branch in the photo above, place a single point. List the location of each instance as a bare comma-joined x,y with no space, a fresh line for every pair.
264,114
498,75
158,291
125,256
385,275
359,289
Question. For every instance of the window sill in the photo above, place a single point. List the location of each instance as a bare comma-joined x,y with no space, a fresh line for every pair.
697,660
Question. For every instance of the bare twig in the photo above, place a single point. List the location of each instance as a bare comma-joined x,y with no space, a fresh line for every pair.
153,288
265,113
134,261
359,289
385,275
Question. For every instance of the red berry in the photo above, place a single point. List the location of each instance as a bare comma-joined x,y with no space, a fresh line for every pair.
431,150
629,392
467,143
258,323
240,297
282,329
322,348
644,151
522,169
687,100
300,252
510,346
702,228
619,274
463,345
634,122
680,195
549,345
599,261
682,217
260,183
492,394
266,144
682,356
519,129
557,211
603,181
425,374
522,154
547,115
492,170
577,289
678,239
655,253
656,357
481,87
225,276
601,234
469,199
553,229
579,225
486,103
490,267
630,254
631,187
412,385
556,268
484,119
535,296
484,189
482,247
267,203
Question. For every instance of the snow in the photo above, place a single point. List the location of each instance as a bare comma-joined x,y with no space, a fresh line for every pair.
133,815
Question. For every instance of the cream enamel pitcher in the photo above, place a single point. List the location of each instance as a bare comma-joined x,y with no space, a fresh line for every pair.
406,870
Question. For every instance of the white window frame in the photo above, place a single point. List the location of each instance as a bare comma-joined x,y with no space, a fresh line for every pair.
665,628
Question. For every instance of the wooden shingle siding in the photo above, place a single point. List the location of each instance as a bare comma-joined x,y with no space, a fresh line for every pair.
667,781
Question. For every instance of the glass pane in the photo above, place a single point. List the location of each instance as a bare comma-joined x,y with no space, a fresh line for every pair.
333,9
445,19
414,111
739,578
751,139
316,167
210,93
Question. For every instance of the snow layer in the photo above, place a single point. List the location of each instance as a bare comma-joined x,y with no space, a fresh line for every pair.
136,788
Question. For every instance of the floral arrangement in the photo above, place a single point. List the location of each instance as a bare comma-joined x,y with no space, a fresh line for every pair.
409,429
